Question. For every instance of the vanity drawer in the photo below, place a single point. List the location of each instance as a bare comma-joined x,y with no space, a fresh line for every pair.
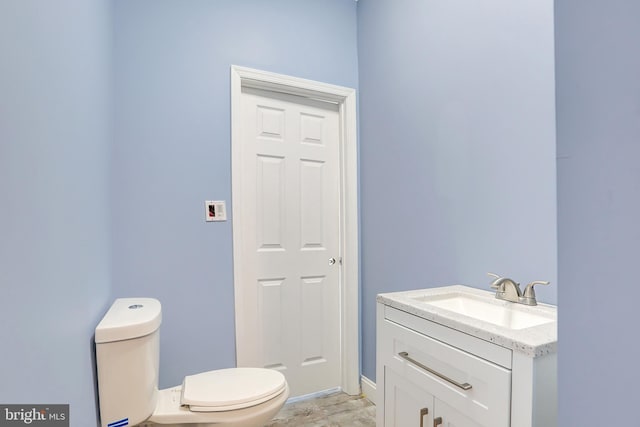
469,384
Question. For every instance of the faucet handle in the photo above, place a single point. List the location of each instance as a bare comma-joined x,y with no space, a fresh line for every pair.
493,284
529,295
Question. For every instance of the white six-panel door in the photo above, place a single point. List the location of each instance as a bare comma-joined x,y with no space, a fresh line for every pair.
290,247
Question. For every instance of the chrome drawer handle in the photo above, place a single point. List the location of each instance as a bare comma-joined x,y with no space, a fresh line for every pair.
464,386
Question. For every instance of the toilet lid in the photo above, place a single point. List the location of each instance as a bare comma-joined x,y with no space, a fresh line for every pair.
230,389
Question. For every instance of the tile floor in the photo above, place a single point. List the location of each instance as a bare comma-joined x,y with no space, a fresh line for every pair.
332,410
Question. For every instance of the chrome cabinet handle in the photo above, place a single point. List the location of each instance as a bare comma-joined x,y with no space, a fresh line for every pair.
423,412
437,421
332,261
464,386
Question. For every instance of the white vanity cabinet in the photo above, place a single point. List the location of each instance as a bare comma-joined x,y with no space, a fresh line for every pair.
431,375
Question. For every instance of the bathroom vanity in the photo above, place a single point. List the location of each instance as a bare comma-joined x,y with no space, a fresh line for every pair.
456,356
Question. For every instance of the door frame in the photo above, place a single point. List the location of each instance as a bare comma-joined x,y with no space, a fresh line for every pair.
345,98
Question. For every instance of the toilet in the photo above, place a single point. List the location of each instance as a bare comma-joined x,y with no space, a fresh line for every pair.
127,359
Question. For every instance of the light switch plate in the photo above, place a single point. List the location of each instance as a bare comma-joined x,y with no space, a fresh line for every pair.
215,210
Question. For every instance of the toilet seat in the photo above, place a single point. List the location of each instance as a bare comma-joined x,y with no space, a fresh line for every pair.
169,411
230,389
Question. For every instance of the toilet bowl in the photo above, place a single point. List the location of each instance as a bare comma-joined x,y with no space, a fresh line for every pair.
243,397
127,359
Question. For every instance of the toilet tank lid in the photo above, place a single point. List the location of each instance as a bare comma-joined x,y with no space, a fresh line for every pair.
129,318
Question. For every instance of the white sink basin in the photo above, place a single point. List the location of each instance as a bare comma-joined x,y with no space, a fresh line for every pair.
504,314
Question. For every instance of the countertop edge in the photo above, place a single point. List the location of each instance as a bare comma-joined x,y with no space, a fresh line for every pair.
535,342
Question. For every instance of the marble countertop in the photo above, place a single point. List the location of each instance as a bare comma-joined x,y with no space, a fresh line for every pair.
534,341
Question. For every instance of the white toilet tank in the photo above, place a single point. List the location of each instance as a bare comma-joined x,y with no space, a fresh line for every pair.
127,359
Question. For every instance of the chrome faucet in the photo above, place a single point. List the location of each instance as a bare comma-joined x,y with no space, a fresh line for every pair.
508,290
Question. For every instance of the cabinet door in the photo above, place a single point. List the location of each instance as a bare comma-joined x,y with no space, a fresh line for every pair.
446,416
405,404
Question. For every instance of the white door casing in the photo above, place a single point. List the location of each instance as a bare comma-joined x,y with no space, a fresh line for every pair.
295,311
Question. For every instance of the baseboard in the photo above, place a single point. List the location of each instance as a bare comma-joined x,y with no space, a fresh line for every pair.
313,395
368,388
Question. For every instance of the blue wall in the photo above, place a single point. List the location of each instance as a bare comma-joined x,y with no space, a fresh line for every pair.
453,100
457,129
172,149
598,107
54,216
